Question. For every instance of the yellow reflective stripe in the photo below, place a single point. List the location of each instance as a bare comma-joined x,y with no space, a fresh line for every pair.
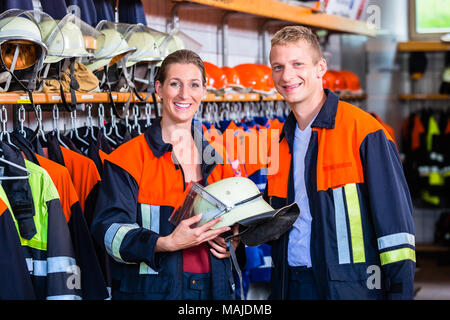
354,217
435,179
146,216
426,196
397,255
118,238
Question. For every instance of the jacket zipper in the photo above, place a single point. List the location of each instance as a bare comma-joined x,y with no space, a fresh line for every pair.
177,165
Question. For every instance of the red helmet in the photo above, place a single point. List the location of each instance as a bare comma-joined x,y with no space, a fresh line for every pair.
215,77
340,84
352,81
253,76
329,81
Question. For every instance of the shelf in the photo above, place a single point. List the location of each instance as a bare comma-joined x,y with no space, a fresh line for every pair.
291,13
410,46
52,98
432,248
122,97
420,96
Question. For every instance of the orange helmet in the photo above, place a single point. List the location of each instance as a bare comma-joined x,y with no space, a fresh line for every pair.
352,81
215,77
253,76
329,81
339,85
232,77
267,75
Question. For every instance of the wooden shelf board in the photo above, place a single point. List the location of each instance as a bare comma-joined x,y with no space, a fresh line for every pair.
50,98
431,248
420,96
291,13
410,46
122,97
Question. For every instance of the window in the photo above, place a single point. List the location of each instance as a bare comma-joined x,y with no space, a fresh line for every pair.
428,19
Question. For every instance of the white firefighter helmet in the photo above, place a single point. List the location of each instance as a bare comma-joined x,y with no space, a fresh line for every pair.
144,39
176,40
237,200
21,45
111,48
71,37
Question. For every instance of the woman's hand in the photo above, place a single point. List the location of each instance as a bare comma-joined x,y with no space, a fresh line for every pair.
219,246
184,236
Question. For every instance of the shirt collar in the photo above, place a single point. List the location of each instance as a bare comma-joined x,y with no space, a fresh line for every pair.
324,119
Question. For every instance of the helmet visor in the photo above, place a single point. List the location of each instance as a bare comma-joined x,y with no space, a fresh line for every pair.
21,39
197,200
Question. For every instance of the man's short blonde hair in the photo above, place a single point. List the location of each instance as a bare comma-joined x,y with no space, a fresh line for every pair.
292,34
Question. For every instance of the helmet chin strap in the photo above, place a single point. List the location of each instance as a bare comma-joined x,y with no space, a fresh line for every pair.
236,266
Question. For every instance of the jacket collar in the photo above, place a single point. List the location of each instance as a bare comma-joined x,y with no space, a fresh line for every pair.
153,136
324,119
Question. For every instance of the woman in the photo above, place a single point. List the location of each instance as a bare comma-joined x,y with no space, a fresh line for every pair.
144,181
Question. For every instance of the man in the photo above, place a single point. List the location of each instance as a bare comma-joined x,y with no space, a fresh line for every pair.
354,238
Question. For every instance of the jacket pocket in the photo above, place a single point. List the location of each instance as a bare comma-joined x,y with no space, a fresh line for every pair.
355,282
146,284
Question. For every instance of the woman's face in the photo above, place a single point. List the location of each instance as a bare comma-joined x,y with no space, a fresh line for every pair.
182,92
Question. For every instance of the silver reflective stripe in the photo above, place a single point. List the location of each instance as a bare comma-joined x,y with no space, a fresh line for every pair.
150,221
61,264
41,268
64,297
114,237
396,239
37,268
341,227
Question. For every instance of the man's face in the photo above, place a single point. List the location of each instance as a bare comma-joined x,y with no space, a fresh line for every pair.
296,70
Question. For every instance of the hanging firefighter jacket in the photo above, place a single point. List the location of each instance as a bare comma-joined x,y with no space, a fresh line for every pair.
15,279
48,250
425,147
92,282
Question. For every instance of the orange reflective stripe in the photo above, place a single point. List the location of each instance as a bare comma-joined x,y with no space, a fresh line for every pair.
63,183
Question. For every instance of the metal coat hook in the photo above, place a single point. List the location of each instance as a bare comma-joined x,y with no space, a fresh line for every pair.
101,123
21,118
56,127
39,122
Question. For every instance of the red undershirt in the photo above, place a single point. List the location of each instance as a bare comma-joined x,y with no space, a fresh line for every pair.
196,259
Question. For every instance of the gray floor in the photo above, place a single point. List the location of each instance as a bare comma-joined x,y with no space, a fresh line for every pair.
432,281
